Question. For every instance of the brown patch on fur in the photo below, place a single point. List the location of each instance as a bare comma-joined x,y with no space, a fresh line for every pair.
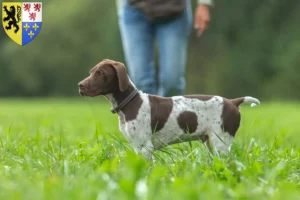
200,97
161,108
110,77
132,108
188,121
231,117
238,101
121,73
106,77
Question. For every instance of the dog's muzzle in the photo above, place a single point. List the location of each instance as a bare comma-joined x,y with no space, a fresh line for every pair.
81,88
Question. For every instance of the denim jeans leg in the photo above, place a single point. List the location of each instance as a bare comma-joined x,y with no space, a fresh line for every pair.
173,40
138,44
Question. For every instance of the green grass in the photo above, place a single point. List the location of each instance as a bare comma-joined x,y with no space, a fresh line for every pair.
72,149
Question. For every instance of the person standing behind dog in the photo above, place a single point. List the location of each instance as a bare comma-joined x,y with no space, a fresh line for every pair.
170,22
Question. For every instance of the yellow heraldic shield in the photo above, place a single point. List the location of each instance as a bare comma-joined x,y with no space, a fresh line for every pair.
12,20
22,21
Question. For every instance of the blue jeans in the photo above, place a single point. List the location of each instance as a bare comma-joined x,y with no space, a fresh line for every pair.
138,34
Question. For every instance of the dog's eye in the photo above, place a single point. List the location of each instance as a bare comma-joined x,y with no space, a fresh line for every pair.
99,73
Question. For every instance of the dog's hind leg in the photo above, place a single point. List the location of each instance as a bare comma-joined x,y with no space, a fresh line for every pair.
220,141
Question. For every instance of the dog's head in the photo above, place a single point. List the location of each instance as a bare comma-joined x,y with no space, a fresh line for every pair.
106,77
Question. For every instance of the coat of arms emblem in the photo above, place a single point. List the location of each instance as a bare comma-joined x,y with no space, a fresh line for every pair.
22,21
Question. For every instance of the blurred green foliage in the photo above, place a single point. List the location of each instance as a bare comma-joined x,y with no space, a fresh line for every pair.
251,48
72,149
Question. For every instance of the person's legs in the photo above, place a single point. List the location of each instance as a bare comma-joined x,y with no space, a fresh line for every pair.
173,40
138,45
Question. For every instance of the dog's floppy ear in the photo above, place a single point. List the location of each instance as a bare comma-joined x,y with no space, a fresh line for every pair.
121,73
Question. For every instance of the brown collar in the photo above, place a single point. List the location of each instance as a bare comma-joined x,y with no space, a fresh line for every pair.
125,102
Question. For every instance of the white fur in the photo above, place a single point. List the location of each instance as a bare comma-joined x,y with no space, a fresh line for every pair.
139,134
254,102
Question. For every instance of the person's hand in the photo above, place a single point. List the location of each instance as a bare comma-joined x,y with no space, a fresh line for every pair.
202,19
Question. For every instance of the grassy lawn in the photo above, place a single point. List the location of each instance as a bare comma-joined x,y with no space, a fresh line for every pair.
72,149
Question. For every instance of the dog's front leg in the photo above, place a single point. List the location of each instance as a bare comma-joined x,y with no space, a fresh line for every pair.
146,149
141,142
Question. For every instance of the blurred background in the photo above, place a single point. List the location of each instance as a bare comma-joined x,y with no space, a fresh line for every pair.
251,48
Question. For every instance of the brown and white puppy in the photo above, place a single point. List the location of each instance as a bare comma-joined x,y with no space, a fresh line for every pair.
150,122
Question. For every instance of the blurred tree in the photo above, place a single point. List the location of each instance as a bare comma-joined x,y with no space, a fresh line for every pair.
251,48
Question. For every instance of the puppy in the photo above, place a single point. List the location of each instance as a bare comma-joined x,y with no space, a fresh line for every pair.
150,122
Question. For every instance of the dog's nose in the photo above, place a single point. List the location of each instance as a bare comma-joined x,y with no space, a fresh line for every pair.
80,85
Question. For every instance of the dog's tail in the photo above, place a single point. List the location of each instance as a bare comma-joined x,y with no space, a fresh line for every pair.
250,100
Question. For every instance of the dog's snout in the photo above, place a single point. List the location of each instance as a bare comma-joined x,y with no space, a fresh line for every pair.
81,85
81,88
